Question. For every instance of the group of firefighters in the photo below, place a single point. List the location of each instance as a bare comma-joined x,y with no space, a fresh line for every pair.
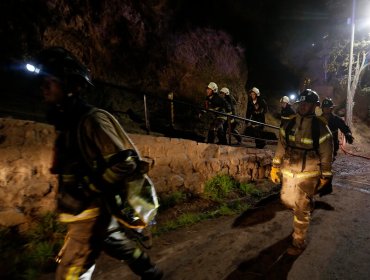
306,148
98,167
224,102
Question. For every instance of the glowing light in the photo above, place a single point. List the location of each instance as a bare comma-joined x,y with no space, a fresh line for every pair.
32,68
292,97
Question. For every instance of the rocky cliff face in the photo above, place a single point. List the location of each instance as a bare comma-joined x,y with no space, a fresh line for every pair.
27,187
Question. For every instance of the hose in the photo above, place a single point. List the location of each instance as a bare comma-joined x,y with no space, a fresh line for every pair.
352,154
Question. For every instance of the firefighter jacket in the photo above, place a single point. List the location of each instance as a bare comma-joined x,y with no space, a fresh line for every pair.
305,148
256,110
232,102
335,123
217,103
286,114
80,125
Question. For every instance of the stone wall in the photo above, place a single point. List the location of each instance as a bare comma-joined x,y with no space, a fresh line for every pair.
27,187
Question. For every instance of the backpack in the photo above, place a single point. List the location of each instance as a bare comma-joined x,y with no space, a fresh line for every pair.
135,203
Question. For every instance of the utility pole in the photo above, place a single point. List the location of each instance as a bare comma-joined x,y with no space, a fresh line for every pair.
350,94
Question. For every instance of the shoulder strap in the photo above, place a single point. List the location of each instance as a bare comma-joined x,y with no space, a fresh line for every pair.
288,129
315,127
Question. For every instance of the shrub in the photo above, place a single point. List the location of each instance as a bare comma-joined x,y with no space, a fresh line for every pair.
219,187
27,255
249,189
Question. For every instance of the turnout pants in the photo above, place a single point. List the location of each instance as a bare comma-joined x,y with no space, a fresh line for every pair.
297,194
86,239
217,127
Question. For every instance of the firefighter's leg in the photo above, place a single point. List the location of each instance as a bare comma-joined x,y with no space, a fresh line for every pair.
120,247
260,144
301,203
221,133
235,132
82,246
211,133
304,206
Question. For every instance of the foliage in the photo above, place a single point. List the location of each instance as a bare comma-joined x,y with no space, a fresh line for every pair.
27,255
170,200
250,189
188,219
200,56
338,63
223,186
219,187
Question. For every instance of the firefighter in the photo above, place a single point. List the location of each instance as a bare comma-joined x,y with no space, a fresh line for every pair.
225,93
286,110
81,194
256,110
303,164
216,103
335,123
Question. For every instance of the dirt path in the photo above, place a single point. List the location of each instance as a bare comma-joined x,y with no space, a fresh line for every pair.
249,246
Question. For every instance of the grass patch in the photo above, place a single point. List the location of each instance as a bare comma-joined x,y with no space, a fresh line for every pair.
28,255
172,199
225,195
222,187
188,219
250,189
219,187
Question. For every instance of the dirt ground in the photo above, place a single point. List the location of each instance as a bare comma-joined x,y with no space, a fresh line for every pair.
252,245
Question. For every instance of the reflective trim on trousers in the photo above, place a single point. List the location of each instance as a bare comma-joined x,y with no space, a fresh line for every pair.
300,175
85,215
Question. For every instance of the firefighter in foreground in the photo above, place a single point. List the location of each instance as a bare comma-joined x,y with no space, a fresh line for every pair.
93,160
335,123
302,163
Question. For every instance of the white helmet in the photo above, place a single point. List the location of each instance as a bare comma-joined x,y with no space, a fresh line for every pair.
225,90
284,99
213,86
256,91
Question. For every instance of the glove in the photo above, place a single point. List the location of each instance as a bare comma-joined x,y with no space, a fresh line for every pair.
325,186
349,138
275,175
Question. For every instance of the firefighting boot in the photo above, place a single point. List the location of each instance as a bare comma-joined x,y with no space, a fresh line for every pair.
297,247
143,267
300,226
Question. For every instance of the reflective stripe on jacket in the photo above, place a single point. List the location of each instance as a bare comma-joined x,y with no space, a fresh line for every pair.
295,154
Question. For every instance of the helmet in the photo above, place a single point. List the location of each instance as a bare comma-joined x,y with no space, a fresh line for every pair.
327,103
58,62
309,96
213,86
225,90
256,91
284,99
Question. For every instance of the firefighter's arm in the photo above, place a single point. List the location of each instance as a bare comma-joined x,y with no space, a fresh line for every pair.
326,151
345,130
115,160
326,157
